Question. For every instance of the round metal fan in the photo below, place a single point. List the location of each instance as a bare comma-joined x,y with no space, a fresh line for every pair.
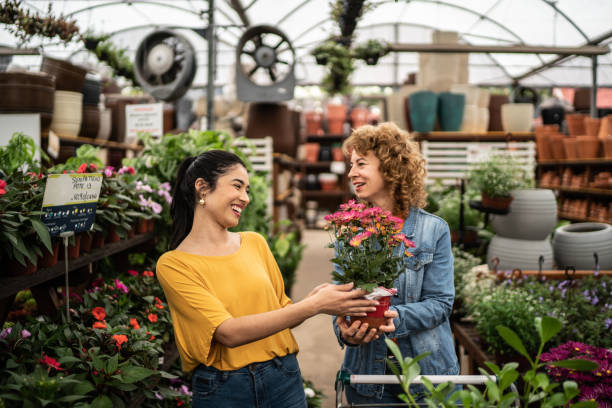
165,64
265,62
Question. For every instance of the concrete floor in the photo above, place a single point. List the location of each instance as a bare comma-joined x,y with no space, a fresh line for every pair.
320,355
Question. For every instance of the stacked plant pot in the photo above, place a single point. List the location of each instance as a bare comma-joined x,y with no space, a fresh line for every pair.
90,126
576,245
522,235
68,110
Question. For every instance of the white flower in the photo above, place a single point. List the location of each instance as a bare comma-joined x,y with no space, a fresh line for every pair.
309,392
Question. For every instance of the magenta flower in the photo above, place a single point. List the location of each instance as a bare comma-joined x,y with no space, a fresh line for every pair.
5,332
25,334
108,171
121,286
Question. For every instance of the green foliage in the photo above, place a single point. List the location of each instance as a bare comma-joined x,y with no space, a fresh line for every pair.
536,387
371,51
339,63
287,251
85,154
110,54
25,24
449,210
19,154
498,176
314,396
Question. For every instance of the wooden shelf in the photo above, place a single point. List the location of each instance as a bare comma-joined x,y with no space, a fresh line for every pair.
13,284
575,162
466,336
577,219
285,160
97,142
591,191
320,193
315,165
553,274
325,138
499,136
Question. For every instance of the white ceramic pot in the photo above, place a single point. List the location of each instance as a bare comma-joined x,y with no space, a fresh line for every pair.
67,113
483,119
533,215
471,93
483,98
470,119
517,117
105,124
70,129
575,244
519,253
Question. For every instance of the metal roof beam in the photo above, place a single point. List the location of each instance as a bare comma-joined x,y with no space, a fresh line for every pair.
130,2
586,50
241,11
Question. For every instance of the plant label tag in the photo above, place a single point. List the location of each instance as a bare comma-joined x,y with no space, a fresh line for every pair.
70,201
143,118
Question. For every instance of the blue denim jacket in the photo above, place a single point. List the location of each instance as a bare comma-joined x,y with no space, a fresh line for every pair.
424,302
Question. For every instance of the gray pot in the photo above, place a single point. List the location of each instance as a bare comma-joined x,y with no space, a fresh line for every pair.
519,253
575,244
533,215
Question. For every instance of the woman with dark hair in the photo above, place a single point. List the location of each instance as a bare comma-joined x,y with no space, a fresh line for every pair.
388,171
230,313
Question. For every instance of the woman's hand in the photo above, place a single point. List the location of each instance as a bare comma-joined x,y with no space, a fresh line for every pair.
356,333
341,300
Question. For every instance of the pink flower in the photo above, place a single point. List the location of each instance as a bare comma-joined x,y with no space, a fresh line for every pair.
108,171
82,168
157,208
51,362
133,272
2,187
25,334
121,286
5,332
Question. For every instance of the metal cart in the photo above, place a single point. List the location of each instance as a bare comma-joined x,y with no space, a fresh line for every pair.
343,378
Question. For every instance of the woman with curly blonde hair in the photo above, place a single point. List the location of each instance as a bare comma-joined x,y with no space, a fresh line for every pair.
388,171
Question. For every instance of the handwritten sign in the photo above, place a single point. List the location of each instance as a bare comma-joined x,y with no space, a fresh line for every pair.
147,118
70,201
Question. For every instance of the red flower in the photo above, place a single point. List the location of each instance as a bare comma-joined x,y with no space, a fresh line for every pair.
98,313
2,187
133,272
99,325
152,338
51,362
134,323
148,274
158,303
179,402
93,166
82,168
119,340
152,317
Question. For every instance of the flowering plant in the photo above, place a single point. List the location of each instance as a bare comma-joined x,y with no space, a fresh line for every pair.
368,244
595,385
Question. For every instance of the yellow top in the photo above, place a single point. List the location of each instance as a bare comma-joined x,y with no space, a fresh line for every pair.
204,291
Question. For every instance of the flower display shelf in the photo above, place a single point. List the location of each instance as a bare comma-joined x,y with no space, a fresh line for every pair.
10,285
470,351
97,142
552,274
326,138
494,136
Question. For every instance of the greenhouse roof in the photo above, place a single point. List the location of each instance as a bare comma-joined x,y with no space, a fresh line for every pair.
561,23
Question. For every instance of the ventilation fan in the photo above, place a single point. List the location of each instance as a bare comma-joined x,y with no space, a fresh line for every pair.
165,65
265,63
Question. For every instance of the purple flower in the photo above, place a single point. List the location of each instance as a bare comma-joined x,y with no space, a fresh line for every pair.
121,286
157,208
159,396
165,186
595,300
25,334
185,390
551,288
108,171
608,323
5,332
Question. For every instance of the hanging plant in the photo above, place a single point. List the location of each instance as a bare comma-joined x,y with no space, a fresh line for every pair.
25,25
339,62
371,51
111,55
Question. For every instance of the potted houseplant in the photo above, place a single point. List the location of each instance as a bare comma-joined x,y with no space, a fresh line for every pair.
371,51
450,208
496,178
369,247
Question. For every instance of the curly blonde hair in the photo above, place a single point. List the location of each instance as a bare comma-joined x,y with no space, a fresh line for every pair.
401,163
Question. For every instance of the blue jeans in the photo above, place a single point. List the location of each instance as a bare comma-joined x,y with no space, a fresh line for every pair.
271,384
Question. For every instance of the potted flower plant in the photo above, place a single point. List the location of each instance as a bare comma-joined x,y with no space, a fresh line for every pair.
496,178
369,253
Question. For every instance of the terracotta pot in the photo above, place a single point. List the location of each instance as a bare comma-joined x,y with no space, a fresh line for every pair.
607,147
469,236
313,122
337,154
542,143
570,145
336,116
591,126
86,241
142,226
98,240
582,99
68,77
498,203
151,224
555,141
131,232
112,235
575,123
312,152
605,129
588,147
74,249
359,117
16,269
377,318
49,259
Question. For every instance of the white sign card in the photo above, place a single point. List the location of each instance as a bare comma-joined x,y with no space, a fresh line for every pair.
146,118
70,201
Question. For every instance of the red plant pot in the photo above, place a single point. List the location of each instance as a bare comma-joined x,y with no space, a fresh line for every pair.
49,259
142,227
377,318
98,240
86,241
498,203
112,235
131,232
151,225
17,269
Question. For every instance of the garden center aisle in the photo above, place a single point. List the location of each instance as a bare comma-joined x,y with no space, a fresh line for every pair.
320,355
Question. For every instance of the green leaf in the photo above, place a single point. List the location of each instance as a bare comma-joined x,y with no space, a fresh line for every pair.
71,398
69,359
493,391
134,374
513,340
84,387
102,401
112,363
570,388
584,404
507,378
43,233
576,364
547,327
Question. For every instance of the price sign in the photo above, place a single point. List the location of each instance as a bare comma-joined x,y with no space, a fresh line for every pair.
146,118
70,201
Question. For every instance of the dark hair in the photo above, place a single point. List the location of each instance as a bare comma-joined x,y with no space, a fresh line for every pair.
209,166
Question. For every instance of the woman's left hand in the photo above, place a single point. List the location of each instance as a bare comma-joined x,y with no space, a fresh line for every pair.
356,333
